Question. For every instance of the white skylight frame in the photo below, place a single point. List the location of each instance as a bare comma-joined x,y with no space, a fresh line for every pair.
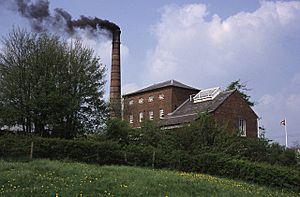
206,95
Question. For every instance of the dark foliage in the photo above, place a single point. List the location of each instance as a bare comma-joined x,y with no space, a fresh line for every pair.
117,130
201,147
242,88
110,152
50,87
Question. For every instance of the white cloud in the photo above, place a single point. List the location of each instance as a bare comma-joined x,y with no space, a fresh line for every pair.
245,45
259,47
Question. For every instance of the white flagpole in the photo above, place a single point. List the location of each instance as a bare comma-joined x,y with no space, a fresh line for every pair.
286,135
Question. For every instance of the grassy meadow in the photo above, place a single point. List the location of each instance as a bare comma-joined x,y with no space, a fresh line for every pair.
56,178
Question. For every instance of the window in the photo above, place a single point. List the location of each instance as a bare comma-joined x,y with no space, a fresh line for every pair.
242,127
131,102
151,98
150,115
141,100
141,116
161,96
161,113
130,119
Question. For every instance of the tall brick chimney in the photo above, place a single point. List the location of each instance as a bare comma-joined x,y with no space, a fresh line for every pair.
115,80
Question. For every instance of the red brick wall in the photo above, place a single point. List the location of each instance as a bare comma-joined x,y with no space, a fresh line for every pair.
233,109
180,95
145,107
173,97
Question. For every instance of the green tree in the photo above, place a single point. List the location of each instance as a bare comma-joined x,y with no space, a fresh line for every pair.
151,133
49,86
203,133
242,88
118,130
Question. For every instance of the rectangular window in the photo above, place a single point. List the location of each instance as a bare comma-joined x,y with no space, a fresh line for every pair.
150,99
150,115
131,102
141,100
161,96
242,127
141,116
130,119
161,113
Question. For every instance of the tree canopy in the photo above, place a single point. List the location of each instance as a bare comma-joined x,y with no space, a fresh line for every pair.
242,88
50,86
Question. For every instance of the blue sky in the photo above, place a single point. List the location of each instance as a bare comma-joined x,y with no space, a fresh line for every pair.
204,44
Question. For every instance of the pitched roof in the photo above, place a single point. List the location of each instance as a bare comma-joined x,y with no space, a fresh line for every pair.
189,110
164,84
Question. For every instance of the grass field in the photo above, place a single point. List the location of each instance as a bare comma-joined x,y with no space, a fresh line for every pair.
51,178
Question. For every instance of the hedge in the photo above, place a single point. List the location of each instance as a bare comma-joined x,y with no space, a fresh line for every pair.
260,173
110,152
105,152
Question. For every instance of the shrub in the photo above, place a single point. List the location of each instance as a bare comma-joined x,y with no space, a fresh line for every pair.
117,130
259,150
106,152
149,134
163,156
261,173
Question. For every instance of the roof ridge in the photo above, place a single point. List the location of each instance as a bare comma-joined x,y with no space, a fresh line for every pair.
163,84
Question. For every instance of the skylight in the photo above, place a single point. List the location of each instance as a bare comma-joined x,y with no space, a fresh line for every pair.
207,94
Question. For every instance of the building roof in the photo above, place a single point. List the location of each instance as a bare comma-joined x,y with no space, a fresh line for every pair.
189,110
169,83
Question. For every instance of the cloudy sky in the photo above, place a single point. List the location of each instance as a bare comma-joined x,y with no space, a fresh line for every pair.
204,43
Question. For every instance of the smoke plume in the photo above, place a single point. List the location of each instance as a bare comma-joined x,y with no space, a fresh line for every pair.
40,18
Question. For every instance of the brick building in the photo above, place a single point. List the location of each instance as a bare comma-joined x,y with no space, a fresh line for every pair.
174,104
227,107
155,102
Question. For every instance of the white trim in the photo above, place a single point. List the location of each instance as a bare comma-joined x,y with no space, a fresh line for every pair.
150,99
258,133
172,127
184,115
141,116
141,100
151,115
161,113
161,96
212,93
243,127
131,119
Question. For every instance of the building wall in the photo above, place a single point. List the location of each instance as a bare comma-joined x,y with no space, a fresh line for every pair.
232,110
180,95
147,106
173,98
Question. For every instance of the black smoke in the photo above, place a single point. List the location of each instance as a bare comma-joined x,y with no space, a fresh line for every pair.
40,18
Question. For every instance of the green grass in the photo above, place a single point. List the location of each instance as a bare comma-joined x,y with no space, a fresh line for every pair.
46,178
